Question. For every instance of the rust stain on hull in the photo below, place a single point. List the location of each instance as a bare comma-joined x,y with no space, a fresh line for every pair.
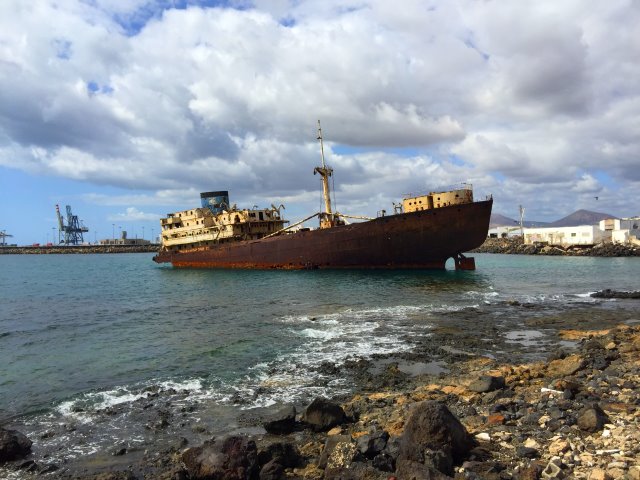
416,240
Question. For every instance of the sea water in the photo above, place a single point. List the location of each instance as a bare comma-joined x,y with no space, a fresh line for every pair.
83,333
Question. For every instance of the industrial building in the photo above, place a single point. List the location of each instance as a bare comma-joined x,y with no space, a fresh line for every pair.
625,231
123,240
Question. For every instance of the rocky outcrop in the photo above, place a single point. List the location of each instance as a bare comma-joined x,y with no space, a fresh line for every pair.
13,445
515,245
231,458
607,293
281,422
433,436
322,414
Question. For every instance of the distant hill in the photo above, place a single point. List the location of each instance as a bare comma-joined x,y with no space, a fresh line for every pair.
498,220
581,217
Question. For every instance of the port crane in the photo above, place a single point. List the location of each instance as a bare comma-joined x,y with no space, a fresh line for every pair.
3,237
71,233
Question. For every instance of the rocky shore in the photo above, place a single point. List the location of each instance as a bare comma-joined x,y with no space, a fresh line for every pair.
79,249
573,413
515,245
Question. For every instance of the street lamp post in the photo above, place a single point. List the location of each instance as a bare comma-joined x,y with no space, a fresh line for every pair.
142,233
113,233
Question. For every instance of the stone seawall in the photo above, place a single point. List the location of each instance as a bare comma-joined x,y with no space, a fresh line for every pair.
80,249
516,246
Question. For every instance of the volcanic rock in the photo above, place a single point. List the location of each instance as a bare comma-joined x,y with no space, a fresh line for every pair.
432,428
322,415
591,419
231,458
13,445
281,422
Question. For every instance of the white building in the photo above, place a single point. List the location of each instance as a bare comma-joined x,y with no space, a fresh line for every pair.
623,230
580,235
504,232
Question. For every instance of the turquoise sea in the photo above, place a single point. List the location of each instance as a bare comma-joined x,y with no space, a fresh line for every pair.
81,335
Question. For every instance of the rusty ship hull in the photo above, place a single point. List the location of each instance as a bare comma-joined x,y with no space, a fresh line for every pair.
423,239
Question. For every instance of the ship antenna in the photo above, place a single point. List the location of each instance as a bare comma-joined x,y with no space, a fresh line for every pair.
325,172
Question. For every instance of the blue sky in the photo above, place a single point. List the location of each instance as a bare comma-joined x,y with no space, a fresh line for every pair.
127,109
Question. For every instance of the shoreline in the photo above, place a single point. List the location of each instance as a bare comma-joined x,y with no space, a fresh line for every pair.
515,246
525,421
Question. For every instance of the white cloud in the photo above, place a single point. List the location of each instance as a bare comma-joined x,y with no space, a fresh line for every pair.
132,214
535,99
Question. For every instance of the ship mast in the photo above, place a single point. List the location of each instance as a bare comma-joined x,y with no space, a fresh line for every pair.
326,217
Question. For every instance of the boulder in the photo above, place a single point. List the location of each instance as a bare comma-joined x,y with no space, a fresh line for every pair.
592,419
433,435
13,445
231,458
322,415
373,444
486,383
565,367
330,445
281,422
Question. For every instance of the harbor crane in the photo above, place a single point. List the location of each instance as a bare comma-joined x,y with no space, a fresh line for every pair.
3,237
73,229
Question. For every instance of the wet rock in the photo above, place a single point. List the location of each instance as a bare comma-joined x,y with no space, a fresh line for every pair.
322,415
432,427
281,422
592,419
49,468
486,383
229,458
608,293
13,445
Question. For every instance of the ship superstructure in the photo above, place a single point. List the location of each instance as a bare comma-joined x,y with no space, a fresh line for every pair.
216,222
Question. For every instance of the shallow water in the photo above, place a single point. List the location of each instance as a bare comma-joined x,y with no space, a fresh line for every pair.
83,333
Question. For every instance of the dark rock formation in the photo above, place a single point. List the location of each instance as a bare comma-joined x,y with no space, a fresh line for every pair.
281,422
323,414
433,436
231,458
607,293
13,445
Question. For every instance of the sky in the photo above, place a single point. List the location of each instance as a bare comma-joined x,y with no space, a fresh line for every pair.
128,109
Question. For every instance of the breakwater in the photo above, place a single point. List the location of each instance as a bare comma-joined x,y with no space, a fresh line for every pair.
78,249
515,245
